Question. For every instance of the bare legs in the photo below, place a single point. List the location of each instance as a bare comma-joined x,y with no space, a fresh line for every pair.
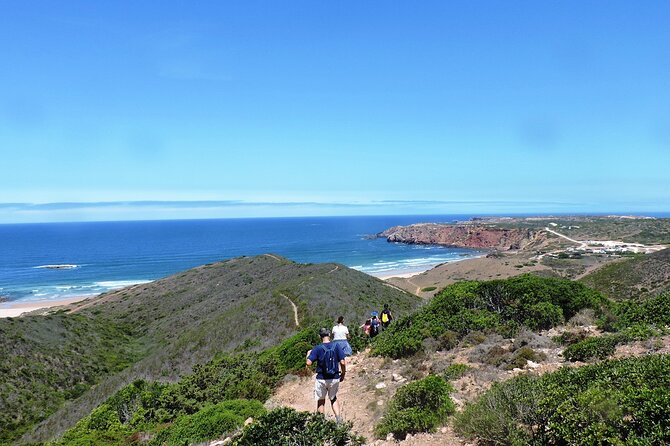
321,406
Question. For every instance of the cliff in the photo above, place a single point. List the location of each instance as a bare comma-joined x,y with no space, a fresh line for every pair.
464,236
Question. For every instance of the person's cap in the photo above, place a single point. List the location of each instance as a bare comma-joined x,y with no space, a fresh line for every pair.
374,314
324,332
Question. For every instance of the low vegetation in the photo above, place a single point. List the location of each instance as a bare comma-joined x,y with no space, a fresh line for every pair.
638,276
499,305
162,330
632,320
613,402
230,389
455,371
285,426
45,361
420,406
212,421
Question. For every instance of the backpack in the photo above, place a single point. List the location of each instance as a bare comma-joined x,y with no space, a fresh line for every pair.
374,327
385,316
330,366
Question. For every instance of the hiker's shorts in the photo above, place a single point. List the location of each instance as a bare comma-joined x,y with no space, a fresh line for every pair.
346,347
324,387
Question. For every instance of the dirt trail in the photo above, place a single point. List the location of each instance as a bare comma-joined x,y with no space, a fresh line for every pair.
396,288
418,288
273,257
295,309
361,401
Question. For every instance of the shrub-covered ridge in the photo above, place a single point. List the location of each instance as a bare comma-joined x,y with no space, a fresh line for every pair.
503,305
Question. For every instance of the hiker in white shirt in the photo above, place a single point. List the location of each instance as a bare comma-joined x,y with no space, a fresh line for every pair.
341,336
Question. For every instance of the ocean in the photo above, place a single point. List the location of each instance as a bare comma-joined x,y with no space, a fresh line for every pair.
59,260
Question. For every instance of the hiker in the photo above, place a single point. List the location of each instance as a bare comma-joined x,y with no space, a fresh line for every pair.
374,325
329,358
366,328
341,336
386,317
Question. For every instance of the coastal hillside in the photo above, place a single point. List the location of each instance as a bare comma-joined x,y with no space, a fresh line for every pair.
466,368
76,357
638,276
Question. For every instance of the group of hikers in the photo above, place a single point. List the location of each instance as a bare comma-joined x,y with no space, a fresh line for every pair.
330,357
377,322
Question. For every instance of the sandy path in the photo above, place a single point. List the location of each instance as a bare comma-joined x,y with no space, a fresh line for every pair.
418,288
273,257
295,309
361,401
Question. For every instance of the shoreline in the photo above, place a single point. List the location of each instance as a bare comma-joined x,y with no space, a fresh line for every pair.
18,308
405,274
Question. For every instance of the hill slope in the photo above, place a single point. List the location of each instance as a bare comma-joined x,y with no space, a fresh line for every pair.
159,330
637,276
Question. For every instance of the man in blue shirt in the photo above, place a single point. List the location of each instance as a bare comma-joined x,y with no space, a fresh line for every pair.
329,359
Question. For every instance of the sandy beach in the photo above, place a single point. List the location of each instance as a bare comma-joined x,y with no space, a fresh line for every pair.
403,275
13,309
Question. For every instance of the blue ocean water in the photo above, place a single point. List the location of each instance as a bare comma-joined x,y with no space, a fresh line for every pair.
110,255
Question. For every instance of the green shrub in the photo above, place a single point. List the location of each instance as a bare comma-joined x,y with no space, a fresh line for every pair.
500,305
521,357
428,289
654,310
455,371
289,356
420,406
623,401
447,340
359,341
210,422
473,338
600,347
502,415
286,426
570,337
544,315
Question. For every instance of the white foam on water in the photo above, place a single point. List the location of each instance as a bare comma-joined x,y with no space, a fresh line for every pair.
411,265
116,284
57,266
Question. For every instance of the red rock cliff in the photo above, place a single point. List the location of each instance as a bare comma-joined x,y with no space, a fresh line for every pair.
463,236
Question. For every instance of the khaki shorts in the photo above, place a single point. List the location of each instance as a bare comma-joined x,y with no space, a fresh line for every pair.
324,387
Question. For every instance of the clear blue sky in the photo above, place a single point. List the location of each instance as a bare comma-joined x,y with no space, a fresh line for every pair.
313,108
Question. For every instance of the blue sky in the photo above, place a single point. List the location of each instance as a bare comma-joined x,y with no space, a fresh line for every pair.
260,108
